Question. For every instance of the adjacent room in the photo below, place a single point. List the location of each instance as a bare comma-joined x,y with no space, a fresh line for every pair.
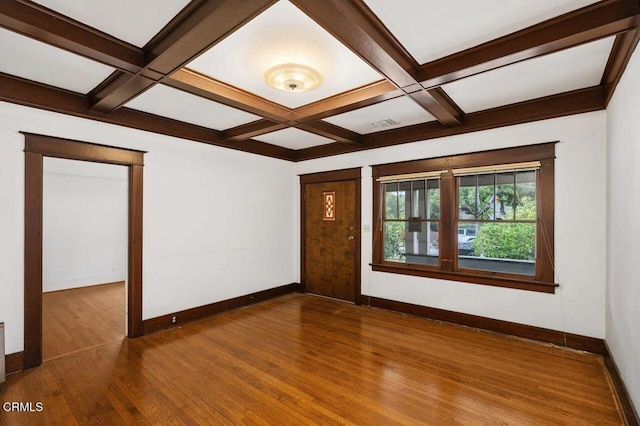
84,255
319,212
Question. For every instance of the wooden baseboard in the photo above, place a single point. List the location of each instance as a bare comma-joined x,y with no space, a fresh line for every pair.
559,338
14,362
626,406
162,322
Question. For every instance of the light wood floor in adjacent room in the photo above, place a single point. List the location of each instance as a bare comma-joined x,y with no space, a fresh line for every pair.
82,318
301,359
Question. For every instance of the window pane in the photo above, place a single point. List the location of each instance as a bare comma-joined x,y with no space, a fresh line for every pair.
391,200
526,195
417,200
497,247
486,188
413,242
394,240
467,197
404,199
505,188
433,202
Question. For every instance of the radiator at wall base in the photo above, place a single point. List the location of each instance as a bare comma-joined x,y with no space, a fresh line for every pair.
2,355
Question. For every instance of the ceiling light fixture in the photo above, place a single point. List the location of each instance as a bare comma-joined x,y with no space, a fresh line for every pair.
293,78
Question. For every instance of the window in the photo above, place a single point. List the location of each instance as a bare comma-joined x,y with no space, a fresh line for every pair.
468,217
410,221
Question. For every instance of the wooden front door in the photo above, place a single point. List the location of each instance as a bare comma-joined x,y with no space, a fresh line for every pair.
331,220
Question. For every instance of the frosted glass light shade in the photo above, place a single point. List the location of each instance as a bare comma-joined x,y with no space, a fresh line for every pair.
293,78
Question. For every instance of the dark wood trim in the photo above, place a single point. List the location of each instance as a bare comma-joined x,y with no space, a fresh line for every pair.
623,47
558,338
23,92
331,131
14,363
358,242
594,22
162,322
505,282
517,154
199,84
627,409
440,105
250,130
360,97
359,29
51,146
303,236
36,148
182,40
48,26
561,105
134,264
362,32
332,176
33,196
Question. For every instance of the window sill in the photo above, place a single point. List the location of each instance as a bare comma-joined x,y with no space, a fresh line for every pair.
530,285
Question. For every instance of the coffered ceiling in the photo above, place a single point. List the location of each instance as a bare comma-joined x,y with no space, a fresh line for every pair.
392,72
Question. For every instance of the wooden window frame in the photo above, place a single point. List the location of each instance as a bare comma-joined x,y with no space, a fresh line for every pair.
543,281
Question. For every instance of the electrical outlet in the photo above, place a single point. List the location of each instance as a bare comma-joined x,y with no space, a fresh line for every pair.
174,319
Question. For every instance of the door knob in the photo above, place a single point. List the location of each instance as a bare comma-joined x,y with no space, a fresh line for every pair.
351,237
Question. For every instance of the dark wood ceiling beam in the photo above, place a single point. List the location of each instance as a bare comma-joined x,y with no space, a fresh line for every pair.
360,30
250,130
591,23
209,88
621,52
438,100
361,97
331,131
353,23
24,92
210,22
564,104
48,26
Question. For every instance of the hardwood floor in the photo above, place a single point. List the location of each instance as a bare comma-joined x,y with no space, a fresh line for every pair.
81,318
302,359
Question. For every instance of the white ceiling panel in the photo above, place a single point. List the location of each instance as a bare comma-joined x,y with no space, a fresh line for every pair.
430,30
134,21
294,139
571,69
178,105
280,35
403,111
49,65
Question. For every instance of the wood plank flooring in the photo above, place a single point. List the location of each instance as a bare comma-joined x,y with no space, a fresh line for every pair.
300,359
81,318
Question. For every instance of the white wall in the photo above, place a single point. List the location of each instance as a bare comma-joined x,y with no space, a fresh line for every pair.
623,227
578,305
217,223
84,224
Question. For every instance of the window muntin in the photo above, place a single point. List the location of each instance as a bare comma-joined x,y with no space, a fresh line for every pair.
526,171
410,221
496,222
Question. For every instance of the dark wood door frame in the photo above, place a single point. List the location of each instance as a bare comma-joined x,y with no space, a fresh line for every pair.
36,148
332,176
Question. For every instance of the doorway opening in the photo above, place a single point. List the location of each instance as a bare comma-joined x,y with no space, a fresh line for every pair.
37,147
84,255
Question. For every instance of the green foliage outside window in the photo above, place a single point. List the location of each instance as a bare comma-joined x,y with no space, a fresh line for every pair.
509,240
